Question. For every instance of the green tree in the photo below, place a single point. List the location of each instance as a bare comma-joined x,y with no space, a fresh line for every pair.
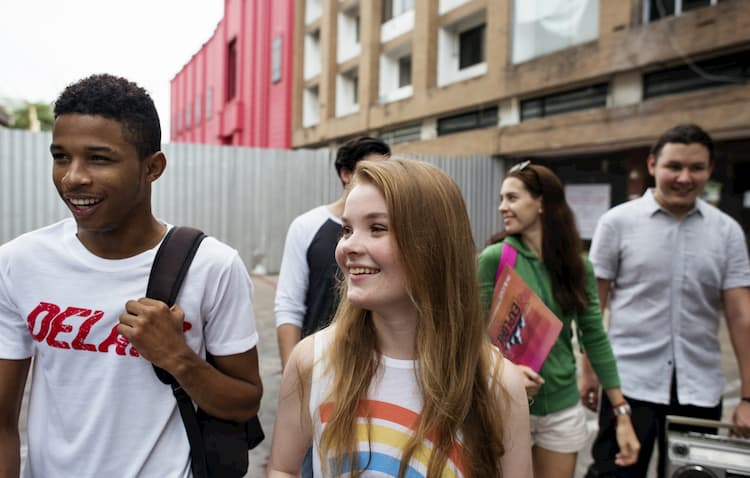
41,112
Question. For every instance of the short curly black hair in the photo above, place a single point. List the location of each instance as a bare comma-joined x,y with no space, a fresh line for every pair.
118,99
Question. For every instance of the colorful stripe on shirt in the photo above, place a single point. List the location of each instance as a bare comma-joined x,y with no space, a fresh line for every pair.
386,433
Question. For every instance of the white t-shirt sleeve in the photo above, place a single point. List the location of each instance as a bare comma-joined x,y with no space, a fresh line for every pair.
291,288
230,326
15,339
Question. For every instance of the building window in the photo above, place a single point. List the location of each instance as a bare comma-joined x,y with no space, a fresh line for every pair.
482,118
403,134
313,10
209,102
198,104
725,70
558,103
310,107
394,8
232,69
658,9
347,92
395,74
545,26
347,45
355,89
471,47
445,6
312,54
461,49
276,59
404,71
397,19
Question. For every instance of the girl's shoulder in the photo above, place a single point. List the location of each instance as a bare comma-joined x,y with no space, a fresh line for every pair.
512,378
506,372
303,354
509,386
312,349
492,252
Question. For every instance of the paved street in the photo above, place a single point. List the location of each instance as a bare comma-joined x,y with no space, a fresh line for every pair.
270,368
271,373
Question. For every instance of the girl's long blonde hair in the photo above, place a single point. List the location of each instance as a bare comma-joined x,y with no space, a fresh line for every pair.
456,370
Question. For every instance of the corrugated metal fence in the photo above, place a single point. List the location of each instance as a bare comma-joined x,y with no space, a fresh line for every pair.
244,196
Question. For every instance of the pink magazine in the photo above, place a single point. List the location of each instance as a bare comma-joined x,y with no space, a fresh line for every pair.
521,326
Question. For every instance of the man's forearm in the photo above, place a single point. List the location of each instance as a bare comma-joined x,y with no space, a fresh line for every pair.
231,389
10,454
741,344
737,314
12,383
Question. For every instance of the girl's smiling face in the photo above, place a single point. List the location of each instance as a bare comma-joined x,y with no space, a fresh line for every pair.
368,255
519,209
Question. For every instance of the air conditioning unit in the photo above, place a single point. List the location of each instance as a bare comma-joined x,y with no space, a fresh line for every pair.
701,455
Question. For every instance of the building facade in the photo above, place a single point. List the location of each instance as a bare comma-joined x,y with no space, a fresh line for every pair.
584,86
236,90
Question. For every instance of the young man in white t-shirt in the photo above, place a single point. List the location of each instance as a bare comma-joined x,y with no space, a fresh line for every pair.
72,297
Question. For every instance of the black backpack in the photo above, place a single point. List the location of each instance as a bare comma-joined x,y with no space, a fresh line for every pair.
218,448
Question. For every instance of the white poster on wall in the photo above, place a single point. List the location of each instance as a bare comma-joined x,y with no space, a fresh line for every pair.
588,202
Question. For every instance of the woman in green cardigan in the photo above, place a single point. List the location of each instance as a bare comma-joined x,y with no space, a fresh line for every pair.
539,225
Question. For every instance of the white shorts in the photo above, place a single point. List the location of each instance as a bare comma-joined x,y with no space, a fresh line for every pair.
562,432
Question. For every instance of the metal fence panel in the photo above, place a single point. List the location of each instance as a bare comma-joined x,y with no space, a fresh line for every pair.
28,199
245,197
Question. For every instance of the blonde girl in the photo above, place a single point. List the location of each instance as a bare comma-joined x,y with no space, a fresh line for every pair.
404,382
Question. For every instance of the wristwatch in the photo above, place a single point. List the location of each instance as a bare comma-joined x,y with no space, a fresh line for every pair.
622,409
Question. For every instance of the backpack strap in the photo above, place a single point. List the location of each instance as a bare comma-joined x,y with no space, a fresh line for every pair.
168,271
172,263
507,257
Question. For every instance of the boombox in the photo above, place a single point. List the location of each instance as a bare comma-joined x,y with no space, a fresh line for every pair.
702,455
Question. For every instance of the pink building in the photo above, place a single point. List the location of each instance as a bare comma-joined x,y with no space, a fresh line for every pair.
236,89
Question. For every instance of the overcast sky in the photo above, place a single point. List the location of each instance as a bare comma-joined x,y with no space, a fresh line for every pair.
47,44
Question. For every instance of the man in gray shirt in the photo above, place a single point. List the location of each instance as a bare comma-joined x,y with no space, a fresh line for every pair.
666,262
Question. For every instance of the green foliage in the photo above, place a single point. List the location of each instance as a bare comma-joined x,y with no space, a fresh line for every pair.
22,116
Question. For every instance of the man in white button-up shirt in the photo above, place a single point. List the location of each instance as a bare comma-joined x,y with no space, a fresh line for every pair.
666,262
